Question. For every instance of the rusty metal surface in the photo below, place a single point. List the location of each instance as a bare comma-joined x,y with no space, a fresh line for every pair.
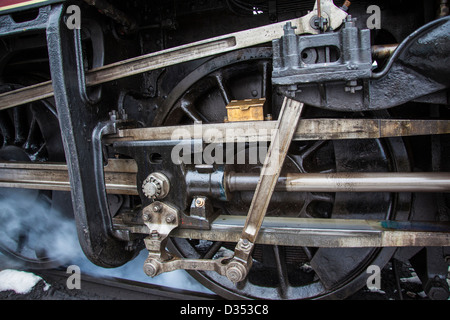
120,176
383,51
307,129
324,233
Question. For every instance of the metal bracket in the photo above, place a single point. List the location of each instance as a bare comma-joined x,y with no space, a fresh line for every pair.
161,218
9,27
94,226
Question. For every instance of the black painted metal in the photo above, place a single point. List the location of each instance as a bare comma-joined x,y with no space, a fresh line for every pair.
10,27
78,121
418,68
335,56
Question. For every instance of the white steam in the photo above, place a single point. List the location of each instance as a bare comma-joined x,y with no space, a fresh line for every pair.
30,227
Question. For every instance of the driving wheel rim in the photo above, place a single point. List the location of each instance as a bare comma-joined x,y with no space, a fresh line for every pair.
213,80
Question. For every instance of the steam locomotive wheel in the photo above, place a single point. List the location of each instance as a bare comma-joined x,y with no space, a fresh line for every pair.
29,219
281,272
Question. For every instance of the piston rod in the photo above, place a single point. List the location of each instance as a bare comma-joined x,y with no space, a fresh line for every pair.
347,182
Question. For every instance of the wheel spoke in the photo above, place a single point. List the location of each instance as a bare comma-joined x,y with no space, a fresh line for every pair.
29,142
224,90
190,110
265,79
21,241
283,283
213,250
40,154
310,149
6,128
266,85
20,125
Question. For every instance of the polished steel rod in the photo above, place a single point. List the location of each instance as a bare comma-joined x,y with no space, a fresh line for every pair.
347,182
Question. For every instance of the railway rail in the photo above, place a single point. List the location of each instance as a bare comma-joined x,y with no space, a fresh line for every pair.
104,288
92,287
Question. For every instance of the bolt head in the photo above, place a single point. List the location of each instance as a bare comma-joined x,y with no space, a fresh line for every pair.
199,202
156,186
150,189
170,218
244,244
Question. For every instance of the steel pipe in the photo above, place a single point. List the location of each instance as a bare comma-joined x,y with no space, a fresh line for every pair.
383,51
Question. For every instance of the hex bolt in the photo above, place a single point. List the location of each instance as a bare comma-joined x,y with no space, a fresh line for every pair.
146,216
156,207
244,244
170,218
199,202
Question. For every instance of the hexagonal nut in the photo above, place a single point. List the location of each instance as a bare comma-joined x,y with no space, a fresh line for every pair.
156,186
236,272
